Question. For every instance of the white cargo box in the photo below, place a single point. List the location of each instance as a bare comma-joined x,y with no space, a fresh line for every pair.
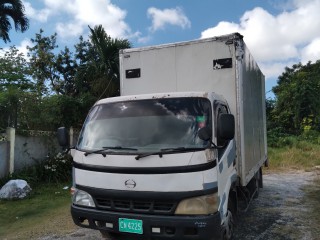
222,65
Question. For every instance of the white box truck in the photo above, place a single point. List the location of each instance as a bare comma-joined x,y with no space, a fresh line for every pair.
180,152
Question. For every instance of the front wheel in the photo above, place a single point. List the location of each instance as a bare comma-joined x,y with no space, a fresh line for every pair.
228,226
111,236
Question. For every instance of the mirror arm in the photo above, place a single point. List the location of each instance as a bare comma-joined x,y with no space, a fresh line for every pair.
217,147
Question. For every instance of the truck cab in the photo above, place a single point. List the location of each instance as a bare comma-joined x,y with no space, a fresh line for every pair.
140,166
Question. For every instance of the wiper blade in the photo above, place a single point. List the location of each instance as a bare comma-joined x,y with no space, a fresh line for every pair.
180,149
103,149
119,147
168,150
148,154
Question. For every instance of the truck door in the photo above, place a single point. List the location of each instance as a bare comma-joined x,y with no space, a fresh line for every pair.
226,163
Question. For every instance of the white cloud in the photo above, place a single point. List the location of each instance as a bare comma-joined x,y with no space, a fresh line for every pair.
39,15
22,48
78,14
69,29
277,40
173,16
274,69
311,52
96,12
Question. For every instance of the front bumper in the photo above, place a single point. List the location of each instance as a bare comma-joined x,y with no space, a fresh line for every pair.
171,227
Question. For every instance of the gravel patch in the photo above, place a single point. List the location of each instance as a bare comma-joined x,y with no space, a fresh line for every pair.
282,210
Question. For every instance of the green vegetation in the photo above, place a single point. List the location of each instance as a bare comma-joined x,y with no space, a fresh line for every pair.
54,169
296,108
12,12
51,89
43,212
46,209
287,152
293,118
302,156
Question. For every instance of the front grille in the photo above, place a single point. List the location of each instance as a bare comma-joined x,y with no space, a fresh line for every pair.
137,206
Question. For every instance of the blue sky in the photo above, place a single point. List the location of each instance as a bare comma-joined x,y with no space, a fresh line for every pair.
278,33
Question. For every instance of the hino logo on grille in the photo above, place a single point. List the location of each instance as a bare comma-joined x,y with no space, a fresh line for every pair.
130,183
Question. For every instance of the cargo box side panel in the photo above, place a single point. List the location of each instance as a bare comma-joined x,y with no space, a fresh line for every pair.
157,71
203,65
196,71
253,119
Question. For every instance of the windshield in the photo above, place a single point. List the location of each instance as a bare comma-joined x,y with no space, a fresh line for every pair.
143,126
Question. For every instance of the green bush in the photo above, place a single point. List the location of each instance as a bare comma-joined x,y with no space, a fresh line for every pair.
310,136
56,168
278,139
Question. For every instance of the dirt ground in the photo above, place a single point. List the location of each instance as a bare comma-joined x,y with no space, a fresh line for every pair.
284,209
287,209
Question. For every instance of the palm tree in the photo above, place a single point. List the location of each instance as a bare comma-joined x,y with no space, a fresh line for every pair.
12,9
106,64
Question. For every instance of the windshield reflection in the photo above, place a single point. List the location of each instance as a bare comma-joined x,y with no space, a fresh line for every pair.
146,125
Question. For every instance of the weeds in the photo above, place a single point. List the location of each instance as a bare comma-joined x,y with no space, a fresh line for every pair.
53,169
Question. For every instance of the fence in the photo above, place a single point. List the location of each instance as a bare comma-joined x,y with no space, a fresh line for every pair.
25,148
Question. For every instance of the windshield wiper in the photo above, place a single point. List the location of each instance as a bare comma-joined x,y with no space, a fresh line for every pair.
119,147
103,149
167,151
181,149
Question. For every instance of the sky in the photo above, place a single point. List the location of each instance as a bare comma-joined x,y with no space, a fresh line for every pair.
279,33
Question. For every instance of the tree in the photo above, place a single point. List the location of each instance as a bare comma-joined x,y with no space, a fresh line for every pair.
54,73
64,85
14,71
14,82
42,62
103,67
297,98
12,9
66,66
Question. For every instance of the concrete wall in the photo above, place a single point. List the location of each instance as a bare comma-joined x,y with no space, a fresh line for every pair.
29,150
4,161
18,150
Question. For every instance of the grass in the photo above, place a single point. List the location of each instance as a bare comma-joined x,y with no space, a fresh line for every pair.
301,156
45,211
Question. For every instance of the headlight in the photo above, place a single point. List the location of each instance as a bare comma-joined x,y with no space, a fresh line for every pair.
202,205
82,198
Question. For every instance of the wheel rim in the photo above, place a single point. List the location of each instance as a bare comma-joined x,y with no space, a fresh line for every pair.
229,224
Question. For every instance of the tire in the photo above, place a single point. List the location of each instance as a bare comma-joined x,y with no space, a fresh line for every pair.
110,235
258,182
228,227
261,178
230,221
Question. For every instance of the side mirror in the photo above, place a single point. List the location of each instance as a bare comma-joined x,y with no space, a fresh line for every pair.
63,137
226,126
205,134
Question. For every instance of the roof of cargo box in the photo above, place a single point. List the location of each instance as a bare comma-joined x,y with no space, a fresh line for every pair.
159,96
228,37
